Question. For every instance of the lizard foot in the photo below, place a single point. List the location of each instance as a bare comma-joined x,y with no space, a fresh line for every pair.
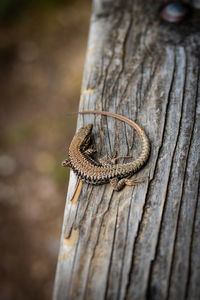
66,163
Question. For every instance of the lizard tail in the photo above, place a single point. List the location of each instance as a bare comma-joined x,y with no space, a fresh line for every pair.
145,141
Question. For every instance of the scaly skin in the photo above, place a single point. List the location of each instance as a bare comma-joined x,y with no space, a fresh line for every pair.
96,173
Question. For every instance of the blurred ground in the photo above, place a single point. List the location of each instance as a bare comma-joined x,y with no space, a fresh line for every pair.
41,62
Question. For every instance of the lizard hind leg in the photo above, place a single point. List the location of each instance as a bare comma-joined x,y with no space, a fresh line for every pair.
119,184
112,160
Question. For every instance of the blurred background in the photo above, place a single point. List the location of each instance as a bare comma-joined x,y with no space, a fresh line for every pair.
42,52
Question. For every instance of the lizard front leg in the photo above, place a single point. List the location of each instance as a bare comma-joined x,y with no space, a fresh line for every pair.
90,151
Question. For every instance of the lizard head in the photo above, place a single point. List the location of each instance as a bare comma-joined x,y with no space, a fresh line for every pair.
84,134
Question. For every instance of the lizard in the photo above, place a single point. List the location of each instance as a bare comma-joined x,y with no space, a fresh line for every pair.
93,172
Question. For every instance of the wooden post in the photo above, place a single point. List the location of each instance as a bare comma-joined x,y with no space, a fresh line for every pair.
142,242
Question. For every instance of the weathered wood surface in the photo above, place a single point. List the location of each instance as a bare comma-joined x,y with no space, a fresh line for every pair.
142,242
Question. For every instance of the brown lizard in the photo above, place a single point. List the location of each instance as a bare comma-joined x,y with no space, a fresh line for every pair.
94,172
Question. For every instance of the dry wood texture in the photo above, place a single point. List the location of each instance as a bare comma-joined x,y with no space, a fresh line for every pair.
142,242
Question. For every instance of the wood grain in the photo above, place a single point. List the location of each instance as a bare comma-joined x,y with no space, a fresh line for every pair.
142,242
